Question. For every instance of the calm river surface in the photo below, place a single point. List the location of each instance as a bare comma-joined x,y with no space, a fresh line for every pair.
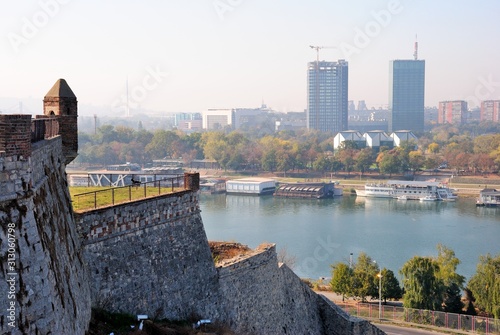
321,232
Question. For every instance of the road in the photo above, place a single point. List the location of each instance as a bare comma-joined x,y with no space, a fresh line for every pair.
395,330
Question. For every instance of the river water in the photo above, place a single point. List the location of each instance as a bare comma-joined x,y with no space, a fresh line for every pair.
319,233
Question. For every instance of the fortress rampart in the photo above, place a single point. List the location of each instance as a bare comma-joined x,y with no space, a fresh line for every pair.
149,256
48,274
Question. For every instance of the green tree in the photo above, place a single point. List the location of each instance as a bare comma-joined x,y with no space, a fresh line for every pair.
423,289
163,144
347,152
433,148
452,299
452,281
388,162
469,302
269,161
485,284
485,144
124,134
448,262
390,286
341,279
364,280
105,134
416,160
364,160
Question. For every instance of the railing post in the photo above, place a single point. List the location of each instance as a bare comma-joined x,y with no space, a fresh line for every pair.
159,187
192,181
112,196
130,193
145,189
95,199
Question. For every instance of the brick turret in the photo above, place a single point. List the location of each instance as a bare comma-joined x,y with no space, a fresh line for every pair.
60,102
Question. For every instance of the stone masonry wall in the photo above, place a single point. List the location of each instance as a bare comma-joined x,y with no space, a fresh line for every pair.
261,297
151,257
41,259
337,322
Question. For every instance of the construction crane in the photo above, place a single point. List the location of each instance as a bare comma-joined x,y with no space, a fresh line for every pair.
317,48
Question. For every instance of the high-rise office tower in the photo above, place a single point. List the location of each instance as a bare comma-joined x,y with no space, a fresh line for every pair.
406,95
327,103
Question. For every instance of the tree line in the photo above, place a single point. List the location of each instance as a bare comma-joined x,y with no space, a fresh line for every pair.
290,150
429,283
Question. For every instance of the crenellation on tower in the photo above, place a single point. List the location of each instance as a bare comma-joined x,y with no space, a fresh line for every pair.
15,135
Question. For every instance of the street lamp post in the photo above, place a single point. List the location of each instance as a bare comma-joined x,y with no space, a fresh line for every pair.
379,275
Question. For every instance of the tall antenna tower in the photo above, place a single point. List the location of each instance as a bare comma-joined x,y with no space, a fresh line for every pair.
415,53
128,107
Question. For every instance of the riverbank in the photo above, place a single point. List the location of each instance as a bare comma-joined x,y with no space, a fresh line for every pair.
465,186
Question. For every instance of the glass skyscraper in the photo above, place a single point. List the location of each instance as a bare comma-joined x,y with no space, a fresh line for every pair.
327,103
406,95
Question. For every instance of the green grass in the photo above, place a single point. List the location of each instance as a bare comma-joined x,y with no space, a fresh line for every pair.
85,198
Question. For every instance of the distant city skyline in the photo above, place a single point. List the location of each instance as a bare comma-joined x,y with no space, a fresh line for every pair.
180,56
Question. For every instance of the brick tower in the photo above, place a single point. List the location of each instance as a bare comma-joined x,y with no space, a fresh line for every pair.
60,102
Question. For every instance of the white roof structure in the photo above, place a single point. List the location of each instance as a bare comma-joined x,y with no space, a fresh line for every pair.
347,135
401,136
375,137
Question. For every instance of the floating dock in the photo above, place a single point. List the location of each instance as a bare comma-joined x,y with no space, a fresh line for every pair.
308,190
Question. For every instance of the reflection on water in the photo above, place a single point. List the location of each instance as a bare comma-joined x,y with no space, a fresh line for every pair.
406,206
322,232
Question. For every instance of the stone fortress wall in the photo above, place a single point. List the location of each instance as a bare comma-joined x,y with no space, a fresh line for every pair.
48,277
149,256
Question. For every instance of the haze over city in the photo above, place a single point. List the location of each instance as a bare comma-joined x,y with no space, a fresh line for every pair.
184,56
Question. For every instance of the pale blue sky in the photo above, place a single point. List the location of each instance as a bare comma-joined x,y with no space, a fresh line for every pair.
190,55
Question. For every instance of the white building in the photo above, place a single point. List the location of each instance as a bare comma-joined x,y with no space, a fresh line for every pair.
374,138
377,139
214,119
402,136
251,186
348,135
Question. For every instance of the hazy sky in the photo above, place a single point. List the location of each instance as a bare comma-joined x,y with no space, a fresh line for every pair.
190,55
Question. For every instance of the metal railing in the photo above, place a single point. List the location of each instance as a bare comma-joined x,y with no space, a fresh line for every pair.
462,322
136,191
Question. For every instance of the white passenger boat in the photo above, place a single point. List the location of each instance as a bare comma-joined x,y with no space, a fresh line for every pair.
410,190
429,198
